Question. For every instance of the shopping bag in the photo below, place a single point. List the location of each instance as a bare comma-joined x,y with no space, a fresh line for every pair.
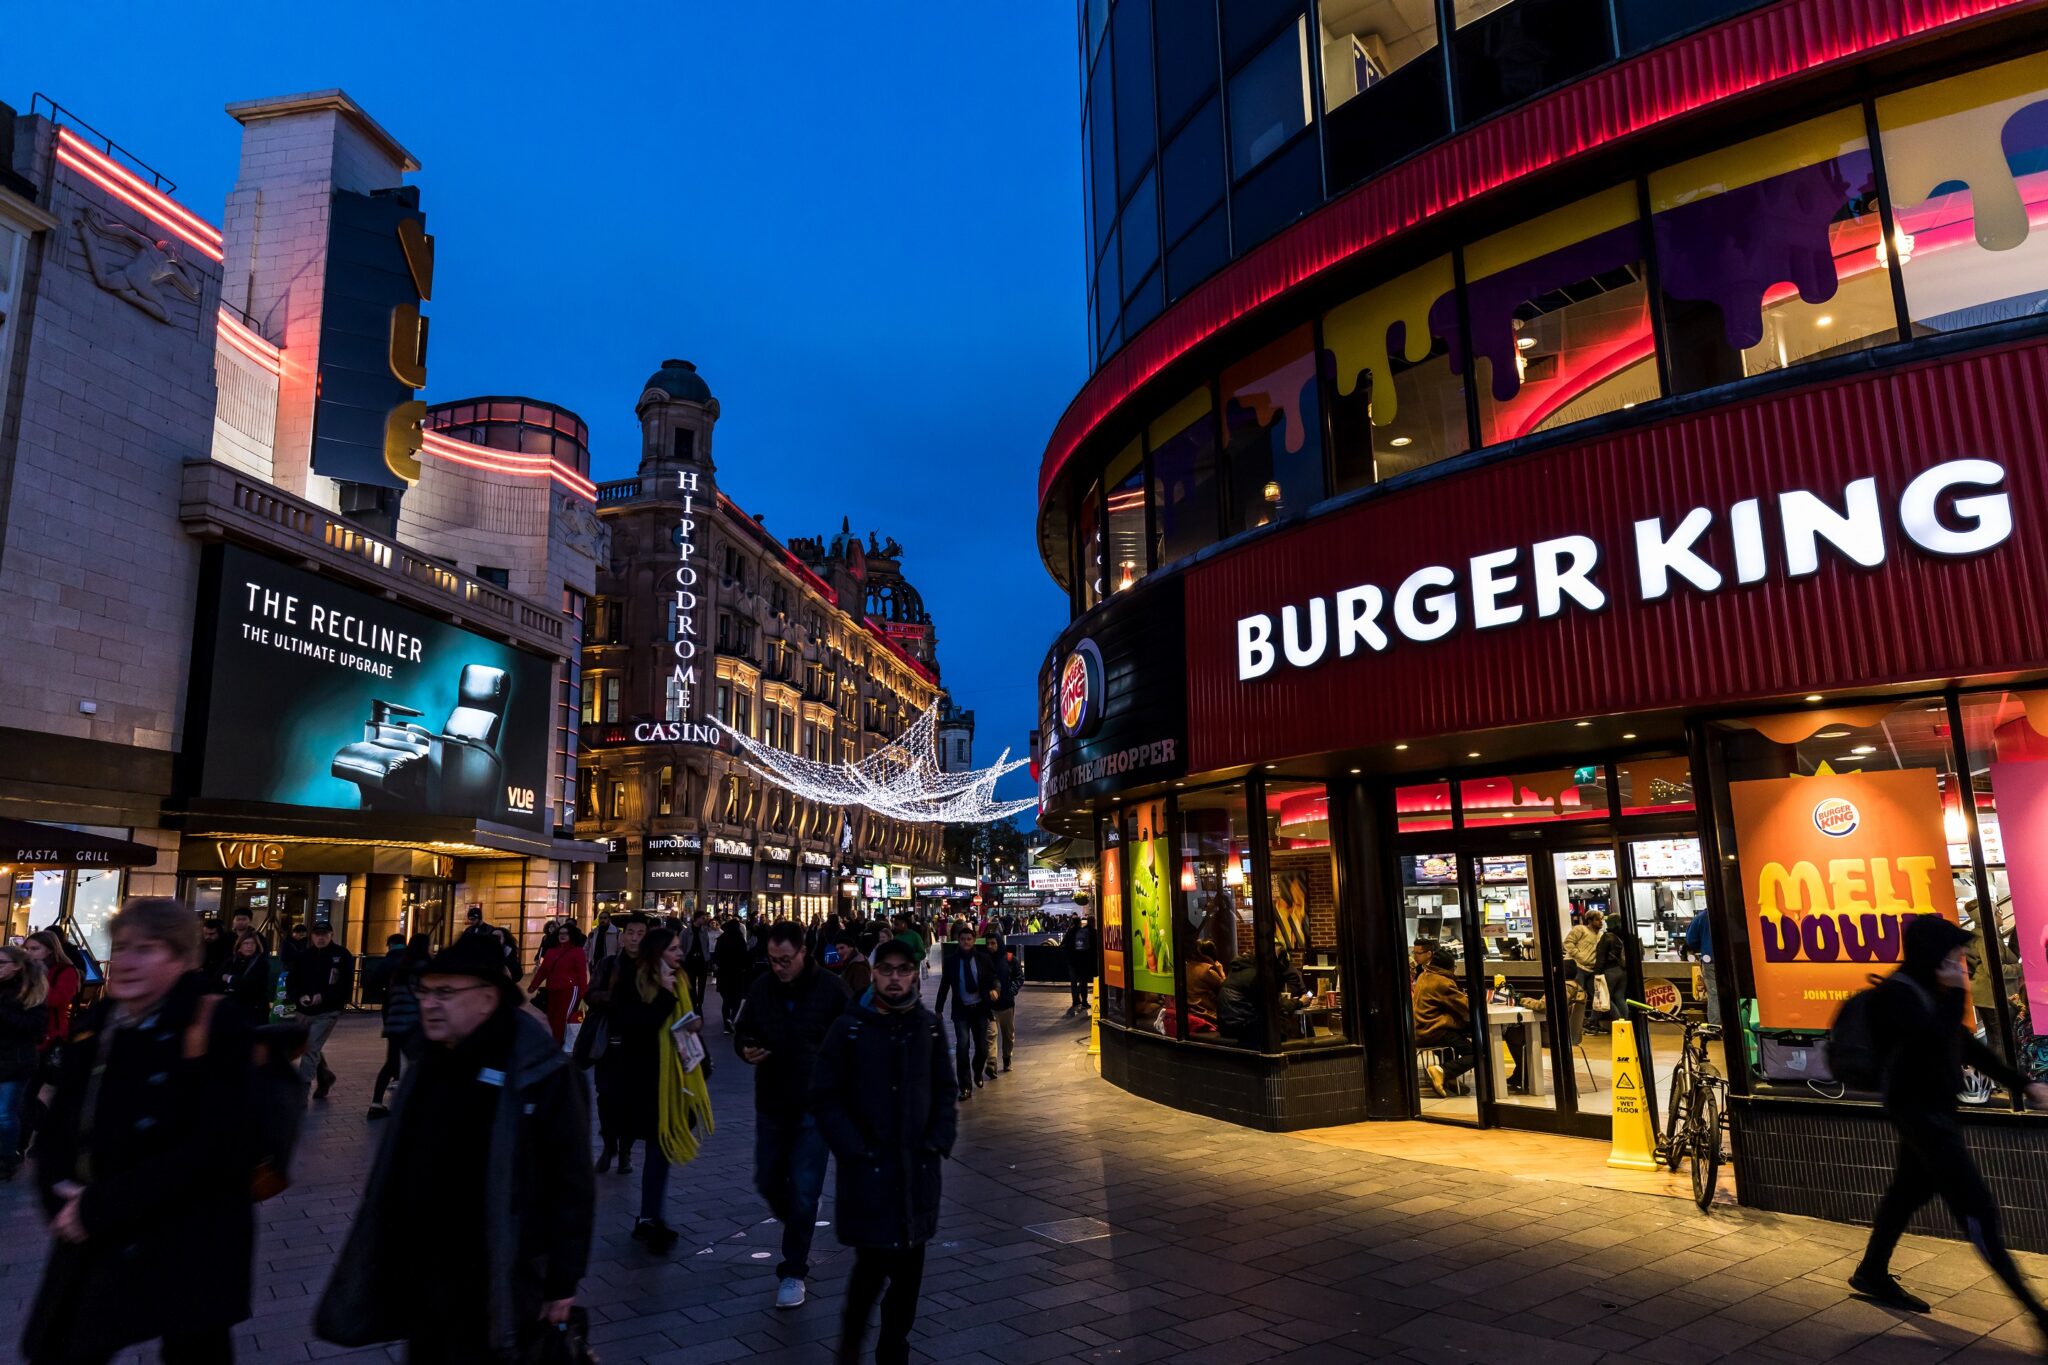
569,1032
1602,1001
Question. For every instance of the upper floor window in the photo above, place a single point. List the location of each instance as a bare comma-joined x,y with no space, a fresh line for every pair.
1397,401
1363,44
1269,99
1125,499
1273,424
685,444
611,699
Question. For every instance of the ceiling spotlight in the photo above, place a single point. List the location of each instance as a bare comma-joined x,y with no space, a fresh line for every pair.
1399,747
1525,343
1813,696
1356,771
1824,320
1473,754
1401,441
1832,734
1862,749
1630,735
1583,724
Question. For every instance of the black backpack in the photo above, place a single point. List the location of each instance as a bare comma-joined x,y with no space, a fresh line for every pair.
1854,1055
277,1097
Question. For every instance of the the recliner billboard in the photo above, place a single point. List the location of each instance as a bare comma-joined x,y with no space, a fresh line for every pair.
319,694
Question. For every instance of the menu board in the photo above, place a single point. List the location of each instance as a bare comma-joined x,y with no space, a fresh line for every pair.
1433,869
1588,864
1668,858
1504,869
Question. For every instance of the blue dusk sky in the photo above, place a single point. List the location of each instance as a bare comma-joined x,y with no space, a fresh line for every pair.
866,235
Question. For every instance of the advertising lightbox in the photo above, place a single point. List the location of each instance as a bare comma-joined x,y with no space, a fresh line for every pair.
318,694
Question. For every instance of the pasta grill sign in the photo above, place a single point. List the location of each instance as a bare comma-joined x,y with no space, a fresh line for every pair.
1833,868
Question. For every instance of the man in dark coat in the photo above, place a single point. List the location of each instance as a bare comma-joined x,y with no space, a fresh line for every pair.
882,1095
145,1173
1079,946
318,983
732,964
482,1185
969,979
609,978
780,1025
1923,1044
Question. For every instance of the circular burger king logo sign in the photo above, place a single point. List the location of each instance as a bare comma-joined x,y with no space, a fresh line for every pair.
1080,690
1836,817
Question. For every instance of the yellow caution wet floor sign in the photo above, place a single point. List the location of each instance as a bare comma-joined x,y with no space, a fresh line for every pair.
1635,1136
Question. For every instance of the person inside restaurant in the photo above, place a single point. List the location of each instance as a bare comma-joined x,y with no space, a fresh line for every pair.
1443,1022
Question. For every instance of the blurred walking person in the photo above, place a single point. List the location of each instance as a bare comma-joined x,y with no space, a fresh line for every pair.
1009,965
24,1020
62,978
781,1024
319,981
614,974
1922,1045
248,979
474,1228
401,1018
882,1094
144,1163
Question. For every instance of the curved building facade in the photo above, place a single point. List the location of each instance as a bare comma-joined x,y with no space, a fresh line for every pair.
1596,468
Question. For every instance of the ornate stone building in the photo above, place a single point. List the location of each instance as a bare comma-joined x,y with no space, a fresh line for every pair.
819,647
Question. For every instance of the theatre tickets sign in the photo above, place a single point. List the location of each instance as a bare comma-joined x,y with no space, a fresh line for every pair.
1834,867
1953,509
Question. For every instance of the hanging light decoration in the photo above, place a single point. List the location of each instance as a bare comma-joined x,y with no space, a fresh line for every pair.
902,780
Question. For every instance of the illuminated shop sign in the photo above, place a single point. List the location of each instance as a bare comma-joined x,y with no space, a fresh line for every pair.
373,341
927,879
310,693
674,845
813,858
702,735
1955,509
731,848
776,853
682,685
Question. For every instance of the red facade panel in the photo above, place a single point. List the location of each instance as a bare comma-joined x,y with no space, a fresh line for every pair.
1742,55
1915,616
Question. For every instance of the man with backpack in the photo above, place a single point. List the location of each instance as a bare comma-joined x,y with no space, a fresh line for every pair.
1905,1037
145,1161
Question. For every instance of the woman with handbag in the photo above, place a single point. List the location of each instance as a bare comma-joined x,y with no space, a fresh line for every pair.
1610,977
647,1083
564,976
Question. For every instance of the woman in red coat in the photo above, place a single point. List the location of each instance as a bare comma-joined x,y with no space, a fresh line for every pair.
564,973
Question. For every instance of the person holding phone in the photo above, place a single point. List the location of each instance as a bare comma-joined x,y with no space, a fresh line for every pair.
781,1023
643,1004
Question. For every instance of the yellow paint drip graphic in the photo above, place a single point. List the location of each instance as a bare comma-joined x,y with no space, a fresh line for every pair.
1356,333
1635,1137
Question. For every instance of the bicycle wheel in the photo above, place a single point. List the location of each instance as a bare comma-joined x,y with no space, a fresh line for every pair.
1673,1142
1706,1149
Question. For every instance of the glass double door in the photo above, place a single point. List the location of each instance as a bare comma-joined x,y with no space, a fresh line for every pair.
1505,1028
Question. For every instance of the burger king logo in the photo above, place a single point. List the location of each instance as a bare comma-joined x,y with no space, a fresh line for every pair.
1080,690
1837,817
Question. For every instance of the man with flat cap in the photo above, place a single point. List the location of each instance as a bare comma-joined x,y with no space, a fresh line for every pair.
475,1224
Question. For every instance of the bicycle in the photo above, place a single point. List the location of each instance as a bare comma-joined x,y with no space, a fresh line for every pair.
1698,1093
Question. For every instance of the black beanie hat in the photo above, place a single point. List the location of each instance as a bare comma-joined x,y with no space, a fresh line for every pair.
476,955
1929,939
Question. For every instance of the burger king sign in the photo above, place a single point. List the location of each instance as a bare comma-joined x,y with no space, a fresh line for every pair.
1080,691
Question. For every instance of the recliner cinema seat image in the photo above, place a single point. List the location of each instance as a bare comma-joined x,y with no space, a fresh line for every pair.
402,766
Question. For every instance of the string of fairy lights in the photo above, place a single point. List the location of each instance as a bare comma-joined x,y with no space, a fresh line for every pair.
902,780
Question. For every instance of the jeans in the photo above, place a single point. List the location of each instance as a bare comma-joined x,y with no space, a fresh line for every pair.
1464,1053
903,1272
1006,1031
1077,978
1934,1161
13,1100
970,1048
653,1181
789,1171
313,1061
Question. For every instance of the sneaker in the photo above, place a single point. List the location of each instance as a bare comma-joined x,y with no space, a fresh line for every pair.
1882,1288
661,1238
790,1293
378,1111
1436,1081
965,1094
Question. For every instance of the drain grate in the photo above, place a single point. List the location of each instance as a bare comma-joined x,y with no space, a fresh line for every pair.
1071,1230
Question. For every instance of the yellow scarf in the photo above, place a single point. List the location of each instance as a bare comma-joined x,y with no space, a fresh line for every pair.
685,1099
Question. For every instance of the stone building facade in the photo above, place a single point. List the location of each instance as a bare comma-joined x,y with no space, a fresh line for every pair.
820,647
173,396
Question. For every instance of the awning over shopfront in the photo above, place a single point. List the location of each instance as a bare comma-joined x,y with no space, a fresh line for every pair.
25,843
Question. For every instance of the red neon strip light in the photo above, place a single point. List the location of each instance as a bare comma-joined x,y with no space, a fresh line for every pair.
1596,373
1743,55
802,570
266,364
245,342
201,236
249,336
507,462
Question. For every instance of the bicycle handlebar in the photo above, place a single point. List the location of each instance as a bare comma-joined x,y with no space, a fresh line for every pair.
1673,1017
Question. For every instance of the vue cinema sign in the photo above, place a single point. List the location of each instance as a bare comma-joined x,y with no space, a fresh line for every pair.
1955,509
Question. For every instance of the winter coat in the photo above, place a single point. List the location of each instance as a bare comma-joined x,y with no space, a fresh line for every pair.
1919,1033
165,1157
1238,1007
22,1029
563,968
790,1021
401,1002
1441,1008
882,1092
250,985
629,1073
327,974
1579,945
64,983
1010,971
989,983
538,1199
1205,985
731,960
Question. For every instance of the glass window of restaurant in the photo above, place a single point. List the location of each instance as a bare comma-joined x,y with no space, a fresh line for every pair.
1125,503
1273,429
1186,483
2007,738
1841,824
1397,401
1535,905
1219,947
1301,886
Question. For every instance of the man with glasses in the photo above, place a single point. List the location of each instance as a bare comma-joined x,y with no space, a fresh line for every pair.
882,1093
781,1023
482,1186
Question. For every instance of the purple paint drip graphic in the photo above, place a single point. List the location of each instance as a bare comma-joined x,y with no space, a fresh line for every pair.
1493,300
1729,248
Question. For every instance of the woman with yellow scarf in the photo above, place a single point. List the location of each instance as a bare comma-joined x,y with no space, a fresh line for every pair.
663,1098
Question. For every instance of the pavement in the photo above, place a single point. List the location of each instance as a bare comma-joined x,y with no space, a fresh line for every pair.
1082,1224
